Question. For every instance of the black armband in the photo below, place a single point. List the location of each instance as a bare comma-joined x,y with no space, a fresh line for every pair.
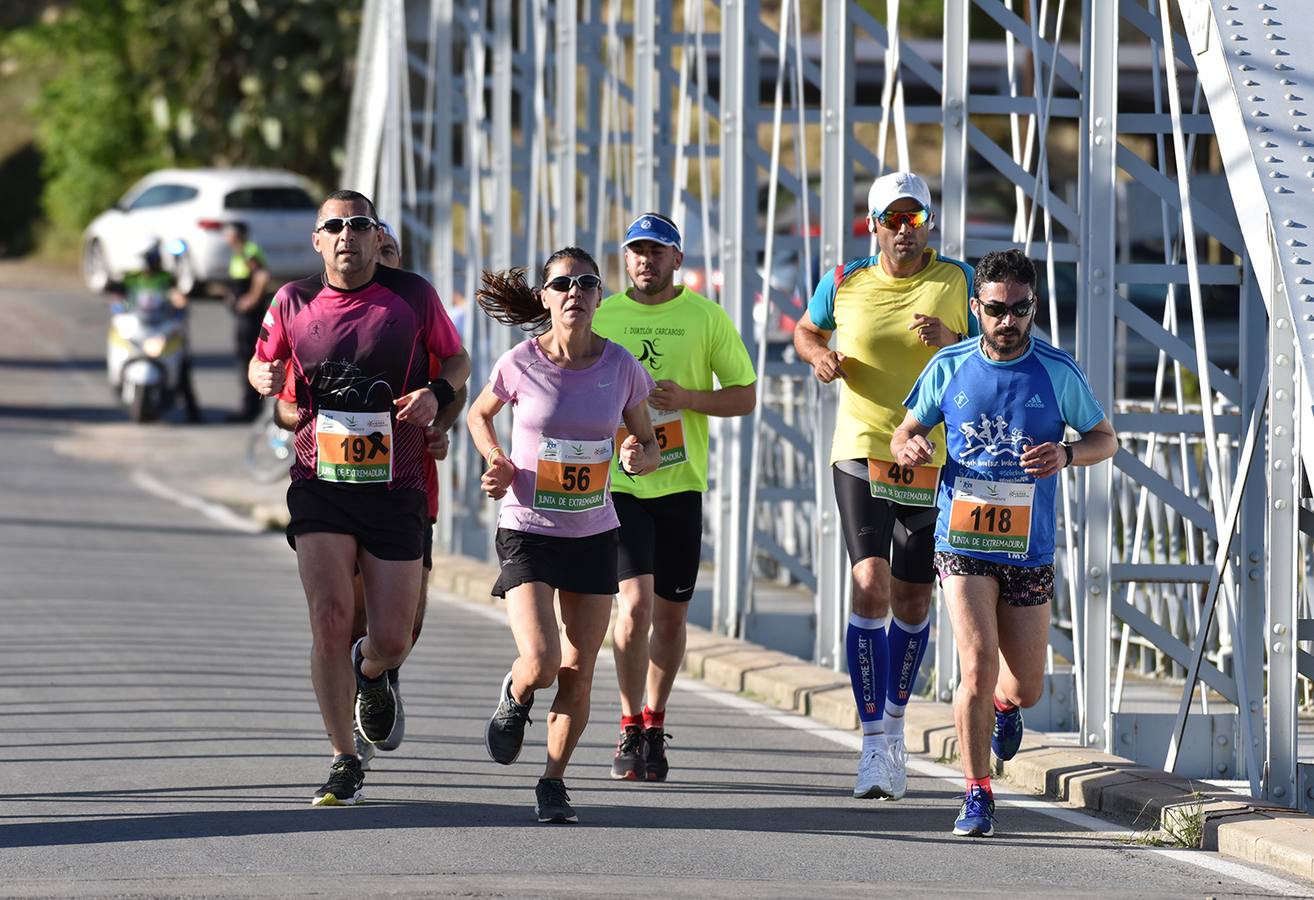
443,390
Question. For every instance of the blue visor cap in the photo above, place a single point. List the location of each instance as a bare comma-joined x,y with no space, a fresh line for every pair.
651,228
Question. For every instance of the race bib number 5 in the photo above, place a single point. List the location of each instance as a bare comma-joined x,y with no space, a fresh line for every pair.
353,448
571,476
908,485
668,427
991,516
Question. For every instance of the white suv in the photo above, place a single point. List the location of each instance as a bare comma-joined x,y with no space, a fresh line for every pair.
192,206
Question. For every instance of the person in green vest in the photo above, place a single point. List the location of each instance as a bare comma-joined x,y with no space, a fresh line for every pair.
155,282
248,279
684,341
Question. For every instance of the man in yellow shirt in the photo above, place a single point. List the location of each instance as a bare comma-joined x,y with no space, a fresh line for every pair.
684,340
889,313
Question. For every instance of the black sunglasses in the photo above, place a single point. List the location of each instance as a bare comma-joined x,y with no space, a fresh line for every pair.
562,283
1018,310
335,224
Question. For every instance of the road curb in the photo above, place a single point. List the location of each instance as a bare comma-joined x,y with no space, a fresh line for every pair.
1110,787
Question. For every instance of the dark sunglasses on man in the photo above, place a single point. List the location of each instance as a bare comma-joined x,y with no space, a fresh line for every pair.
1019,310
335,224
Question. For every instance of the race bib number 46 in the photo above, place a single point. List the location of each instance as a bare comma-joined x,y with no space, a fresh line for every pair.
991,516
571,476
668,427
353,448
908,485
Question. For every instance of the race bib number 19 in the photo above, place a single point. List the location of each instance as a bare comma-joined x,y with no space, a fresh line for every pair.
353,448
991,516
908,485
571,476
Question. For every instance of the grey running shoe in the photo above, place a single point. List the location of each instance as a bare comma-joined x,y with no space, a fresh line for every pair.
505,734
343,788
553,803
656,765
628,762
364,750
376,703
394,738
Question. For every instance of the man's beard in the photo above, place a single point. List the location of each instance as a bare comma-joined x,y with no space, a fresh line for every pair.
656,286
1023,335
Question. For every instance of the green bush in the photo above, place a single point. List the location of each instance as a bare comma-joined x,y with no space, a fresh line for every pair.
129,86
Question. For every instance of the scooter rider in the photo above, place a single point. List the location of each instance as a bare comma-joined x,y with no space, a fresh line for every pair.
153,280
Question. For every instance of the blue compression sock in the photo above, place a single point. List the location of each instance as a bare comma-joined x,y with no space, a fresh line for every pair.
907,648
868,658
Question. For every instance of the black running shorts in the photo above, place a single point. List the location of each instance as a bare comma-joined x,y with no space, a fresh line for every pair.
427,556
903,536
662,537
582,565
386,524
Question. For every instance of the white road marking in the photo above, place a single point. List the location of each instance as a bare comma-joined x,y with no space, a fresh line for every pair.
1003,796
212,511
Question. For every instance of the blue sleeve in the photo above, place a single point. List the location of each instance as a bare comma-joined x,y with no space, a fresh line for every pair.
1077,403
924,398
821,308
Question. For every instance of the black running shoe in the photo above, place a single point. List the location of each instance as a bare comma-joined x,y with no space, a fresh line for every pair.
376,702
343,788
628,764
394,738
505,734
654,758
553,802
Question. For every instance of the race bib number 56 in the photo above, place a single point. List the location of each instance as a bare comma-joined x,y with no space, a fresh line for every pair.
991,516
571,476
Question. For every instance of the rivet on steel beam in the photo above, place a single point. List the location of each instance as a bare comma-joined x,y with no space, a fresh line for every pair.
1242,52
1292,97
1270,21
1303,143
1255,98
1272,36
1277,51
1245,68
1279,628
1307,158
1250,82
1258,113
1271,159
1263,7
1275,174
1287,82
1281,190
1238,37
1254,558
1278,647
1259,129
1282,67
1267,145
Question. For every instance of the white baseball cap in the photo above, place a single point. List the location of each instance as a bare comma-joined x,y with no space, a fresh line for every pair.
895,186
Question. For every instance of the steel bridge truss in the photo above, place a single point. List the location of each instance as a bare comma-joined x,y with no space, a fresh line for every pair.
1167,196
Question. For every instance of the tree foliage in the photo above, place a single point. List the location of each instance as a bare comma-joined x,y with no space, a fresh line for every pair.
133,85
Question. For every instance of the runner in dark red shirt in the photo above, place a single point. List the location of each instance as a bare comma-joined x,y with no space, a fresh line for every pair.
355,341
437,444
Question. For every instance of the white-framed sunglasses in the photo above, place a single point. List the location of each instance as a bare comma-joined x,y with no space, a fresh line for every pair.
335,224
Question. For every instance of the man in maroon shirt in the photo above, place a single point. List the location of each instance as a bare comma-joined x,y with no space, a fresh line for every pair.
356,341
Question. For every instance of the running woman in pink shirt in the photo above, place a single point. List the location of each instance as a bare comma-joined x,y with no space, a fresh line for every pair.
557,530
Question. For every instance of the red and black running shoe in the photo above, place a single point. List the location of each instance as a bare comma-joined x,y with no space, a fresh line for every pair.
629,762
655,764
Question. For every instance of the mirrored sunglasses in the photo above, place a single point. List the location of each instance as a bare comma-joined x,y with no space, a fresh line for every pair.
563,283
335,224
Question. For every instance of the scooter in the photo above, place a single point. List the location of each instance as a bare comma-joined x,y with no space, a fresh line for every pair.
144,354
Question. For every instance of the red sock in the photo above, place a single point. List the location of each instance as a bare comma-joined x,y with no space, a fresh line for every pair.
653,718
983,783
1004,707
634,721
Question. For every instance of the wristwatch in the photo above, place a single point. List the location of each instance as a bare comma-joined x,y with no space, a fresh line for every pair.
1067,448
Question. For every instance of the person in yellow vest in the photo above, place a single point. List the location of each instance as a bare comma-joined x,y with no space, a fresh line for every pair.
889,314
248,279
683,340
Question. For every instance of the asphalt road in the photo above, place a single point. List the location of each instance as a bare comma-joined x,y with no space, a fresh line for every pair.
162,739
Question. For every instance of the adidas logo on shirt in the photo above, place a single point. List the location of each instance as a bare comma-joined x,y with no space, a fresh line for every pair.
1035,402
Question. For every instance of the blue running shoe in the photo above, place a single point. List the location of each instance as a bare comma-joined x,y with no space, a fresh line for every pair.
977,816
1008,734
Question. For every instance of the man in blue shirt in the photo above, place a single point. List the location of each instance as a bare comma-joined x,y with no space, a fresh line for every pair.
1005,401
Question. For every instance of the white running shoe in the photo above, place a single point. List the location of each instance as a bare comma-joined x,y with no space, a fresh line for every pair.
897,752
873,774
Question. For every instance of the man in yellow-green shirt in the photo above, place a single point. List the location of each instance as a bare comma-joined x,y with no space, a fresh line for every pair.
684,340
889,314
248,282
